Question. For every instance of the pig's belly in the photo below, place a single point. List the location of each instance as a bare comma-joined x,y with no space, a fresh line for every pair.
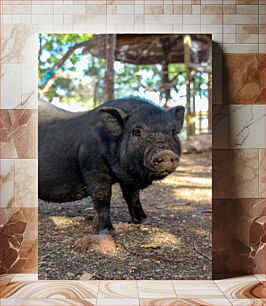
61,191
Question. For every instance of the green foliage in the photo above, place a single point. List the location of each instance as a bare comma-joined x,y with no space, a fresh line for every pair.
82,77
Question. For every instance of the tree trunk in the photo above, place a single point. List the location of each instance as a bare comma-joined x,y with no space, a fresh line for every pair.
110,41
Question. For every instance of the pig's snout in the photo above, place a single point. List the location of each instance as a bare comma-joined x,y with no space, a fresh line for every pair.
164,161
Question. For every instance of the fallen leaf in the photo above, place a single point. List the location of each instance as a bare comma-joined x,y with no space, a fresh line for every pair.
151,246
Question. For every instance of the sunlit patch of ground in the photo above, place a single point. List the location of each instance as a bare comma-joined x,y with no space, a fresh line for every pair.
180,211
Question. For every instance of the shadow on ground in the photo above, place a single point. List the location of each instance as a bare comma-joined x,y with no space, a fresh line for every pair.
180,209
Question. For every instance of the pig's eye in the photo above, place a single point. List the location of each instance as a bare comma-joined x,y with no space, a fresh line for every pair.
136,132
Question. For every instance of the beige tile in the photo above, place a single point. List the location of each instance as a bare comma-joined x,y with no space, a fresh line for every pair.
262,38
25,277
247,9
139,19
68,19
21,9
262,9
247,28
139,28
212,19
247,38
139,9
155,289
248,302
183,302
217,2
124,9
197,289
262,48
4,280
79,19
29,86
26,183
208,28
187,9
163,19
240,287
262,176
125,28
43,9
6,9
52,290
19,44
240,19
48,302
10,83
178,9
42,19
7,183
191,19
111,10
243,2
191,28
217,37
247,126
153,9
260,277
229,38
79,9
229,9
196,9
7,19
96,9
118,290
117,302
229,28
211,9
68,8
120,19
240,48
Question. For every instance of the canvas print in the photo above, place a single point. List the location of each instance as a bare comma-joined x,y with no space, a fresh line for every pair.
124,156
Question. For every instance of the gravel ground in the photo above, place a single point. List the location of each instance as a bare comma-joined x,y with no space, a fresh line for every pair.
172,247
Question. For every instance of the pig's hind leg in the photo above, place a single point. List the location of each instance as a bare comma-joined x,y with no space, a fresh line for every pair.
101,202
134,205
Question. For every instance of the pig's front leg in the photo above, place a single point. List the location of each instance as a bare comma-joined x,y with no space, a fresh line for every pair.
134,206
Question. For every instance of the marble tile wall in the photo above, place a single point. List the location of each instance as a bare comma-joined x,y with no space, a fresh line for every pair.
238,31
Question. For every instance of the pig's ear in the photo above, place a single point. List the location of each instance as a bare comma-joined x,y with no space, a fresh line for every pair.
113,119
178,112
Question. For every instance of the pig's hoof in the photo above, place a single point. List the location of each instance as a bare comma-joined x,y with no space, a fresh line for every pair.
106,231
146,221
100,243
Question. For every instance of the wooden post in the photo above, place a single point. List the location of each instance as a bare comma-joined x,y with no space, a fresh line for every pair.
210,102
190,119
166,89
110,43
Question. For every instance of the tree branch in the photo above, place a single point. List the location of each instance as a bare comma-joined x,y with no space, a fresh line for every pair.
53,73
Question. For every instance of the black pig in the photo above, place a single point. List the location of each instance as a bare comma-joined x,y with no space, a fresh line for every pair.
129,141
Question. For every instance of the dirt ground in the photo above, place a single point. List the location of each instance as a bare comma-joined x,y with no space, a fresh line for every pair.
177,244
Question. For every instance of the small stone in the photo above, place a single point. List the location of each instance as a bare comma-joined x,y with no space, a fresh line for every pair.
70,275
87,276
